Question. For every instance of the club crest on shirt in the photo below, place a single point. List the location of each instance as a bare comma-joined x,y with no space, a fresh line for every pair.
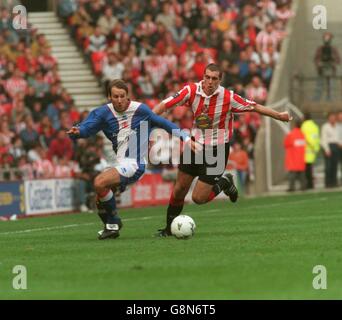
124,124
203,121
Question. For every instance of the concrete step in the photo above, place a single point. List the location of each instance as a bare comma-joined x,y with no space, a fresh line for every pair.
86,97
86,84
42,14
73,67
60,43
64,49
34,20
49,25
72,77
68,54
89,90
60,37
67,61
89,104
75,73
54,31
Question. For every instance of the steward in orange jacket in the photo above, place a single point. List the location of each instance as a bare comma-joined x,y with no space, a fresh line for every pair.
295,150
294,144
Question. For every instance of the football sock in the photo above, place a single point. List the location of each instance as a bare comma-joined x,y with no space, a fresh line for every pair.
101,212
173,210
217,188
108,203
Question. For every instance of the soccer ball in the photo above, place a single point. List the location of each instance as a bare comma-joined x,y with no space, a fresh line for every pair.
183,227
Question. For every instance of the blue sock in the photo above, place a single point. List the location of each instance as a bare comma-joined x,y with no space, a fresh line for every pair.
101,212
110,210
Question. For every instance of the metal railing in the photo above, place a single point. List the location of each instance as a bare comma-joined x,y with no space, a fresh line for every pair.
316,89
11,174
285,128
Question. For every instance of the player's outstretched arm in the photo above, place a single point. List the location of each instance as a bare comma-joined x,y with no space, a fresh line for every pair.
180,98
265,111
173,129
160,108
74,132
90,126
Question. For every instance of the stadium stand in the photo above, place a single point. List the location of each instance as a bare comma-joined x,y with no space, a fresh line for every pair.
159,47
46,85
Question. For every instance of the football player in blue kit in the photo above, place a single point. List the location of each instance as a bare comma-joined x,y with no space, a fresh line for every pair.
127,125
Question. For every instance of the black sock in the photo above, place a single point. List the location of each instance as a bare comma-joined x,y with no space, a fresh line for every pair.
172,212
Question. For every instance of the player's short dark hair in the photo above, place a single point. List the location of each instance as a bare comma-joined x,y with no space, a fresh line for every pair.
213,67
117,83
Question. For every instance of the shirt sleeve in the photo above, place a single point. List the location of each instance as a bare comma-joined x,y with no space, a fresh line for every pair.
239,104
92,124
163,123
179,98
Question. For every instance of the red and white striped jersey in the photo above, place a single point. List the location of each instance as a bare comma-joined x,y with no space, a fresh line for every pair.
219,107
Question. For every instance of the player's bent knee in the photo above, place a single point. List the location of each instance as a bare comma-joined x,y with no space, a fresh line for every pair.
198,199
99,183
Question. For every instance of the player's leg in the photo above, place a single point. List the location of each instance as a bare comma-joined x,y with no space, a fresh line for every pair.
126,172
176,203
209,185
201,192
106,203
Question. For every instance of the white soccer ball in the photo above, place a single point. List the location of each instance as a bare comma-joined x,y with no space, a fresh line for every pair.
183,227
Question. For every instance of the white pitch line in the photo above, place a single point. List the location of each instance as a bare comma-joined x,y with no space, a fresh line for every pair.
67,226
151,217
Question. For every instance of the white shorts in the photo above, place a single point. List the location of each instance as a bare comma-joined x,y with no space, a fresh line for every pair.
127,167
130,171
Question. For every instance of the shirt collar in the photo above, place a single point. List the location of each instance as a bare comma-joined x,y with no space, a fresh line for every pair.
202,93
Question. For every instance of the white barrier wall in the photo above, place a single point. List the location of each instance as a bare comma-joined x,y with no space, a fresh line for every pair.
51,196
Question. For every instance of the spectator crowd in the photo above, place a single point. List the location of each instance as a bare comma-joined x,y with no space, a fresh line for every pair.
155,46
35,109
158,46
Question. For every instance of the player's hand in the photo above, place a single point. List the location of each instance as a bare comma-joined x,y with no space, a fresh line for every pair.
74,131
285,116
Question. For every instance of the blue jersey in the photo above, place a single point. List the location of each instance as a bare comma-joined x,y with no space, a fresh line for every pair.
128,131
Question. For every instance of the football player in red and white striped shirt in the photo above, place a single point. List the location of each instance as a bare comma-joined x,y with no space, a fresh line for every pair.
213,107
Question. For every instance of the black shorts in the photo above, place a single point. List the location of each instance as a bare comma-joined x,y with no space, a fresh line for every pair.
209,165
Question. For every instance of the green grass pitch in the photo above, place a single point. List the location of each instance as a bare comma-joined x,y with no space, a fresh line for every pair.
261,248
